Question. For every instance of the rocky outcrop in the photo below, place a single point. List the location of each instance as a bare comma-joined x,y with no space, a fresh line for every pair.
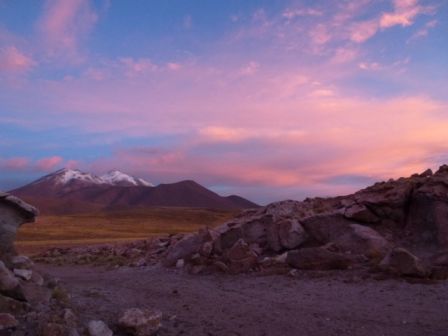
13,213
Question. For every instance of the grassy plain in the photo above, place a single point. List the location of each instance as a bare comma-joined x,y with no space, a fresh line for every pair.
107,227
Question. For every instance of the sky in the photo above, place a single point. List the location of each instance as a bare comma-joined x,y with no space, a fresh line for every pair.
266,99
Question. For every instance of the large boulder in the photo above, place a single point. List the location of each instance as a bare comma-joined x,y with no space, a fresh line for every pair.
361,239
326,228
428,213
7,321
400,261
13,213
140,322
187,247
318,258
286,233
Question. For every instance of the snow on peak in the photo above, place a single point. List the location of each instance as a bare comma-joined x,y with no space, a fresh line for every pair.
65,176
116,177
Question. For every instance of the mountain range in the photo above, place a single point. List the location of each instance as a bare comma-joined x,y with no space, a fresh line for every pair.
68,191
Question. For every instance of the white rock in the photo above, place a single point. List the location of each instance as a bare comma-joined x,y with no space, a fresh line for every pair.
98,328
23,273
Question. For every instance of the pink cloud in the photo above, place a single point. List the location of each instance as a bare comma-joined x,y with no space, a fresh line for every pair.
49,163
405,11
13,60
13,164
64,24
362,31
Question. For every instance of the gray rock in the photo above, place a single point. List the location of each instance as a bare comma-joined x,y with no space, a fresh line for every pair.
140,322
8,281
98,328
24,274
361,239
400,261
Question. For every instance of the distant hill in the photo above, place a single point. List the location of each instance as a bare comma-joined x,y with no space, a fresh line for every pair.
72,191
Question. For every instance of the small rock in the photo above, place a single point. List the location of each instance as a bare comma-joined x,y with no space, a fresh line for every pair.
7,321
400,261
24,274
98,328
21,261
141,322
180,263
7,279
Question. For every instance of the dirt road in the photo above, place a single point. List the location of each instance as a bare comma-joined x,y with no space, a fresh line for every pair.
259,305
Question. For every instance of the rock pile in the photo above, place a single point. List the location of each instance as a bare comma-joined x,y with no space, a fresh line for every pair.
399,226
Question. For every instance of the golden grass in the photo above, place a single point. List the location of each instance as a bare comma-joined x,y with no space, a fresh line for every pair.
90,229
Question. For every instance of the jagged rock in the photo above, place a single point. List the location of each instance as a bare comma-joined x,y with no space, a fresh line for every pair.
23,273
228,238
254,230
186,247
7,321
241,257
140,322
428,213
361,239
98,328
426,173
286,234
360,213
327,228
318,258
291,234
400,261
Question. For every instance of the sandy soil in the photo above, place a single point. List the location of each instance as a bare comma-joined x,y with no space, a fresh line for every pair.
259,305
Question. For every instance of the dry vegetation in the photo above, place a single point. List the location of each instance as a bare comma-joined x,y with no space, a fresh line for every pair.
87,229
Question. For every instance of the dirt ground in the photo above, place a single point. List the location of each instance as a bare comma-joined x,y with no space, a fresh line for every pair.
259,305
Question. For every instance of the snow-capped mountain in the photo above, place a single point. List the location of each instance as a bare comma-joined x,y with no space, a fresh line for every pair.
72,177
116,177
73,191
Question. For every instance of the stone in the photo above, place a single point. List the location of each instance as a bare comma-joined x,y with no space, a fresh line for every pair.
24,274
7,321
98,328
360,213
325,229
291,233
180,263
317,258
427,216
13,213
241,257
254,230
21,261
8,281
9,305
361,239
227,239
140,322
400,261
185,248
